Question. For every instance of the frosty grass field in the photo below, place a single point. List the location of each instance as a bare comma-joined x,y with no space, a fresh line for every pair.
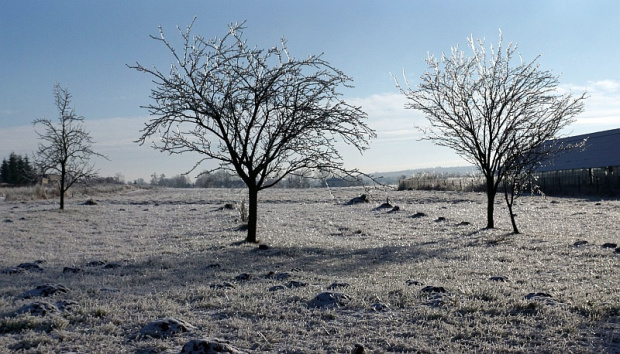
415,284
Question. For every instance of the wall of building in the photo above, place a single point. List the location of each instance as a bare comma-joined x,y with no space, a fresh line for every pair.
587,181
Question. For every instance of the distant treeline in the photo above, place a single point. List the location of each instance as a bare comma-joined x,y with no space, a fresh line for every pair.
224,179
17,171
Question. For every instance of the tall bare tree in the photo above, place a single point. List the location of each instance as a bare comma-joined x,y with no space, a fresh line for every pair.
480,105
261,113
66,147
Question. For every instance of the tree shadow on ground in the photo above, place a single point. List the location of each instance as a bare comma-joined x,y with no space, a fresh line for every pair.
338,262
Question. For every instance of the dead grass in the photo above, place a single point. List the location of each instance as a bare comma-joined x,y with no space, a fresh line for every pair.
37,192
173,246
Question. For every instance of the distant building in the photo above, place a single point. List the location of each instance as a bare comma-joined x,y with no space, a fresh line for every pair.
51,178
594,169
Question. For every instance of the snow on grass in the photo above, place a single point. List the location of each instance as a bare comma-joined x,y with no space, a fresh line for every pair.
171,253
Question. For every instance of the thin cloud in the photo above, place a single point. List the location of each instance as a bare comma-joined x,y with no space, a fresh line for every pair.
397,146
393,122
8,112
388,116
21,139
609,86
602,108
116,132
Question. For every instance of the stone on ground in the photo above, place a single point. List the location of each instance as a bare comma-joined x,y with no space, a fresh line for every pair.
337,284
209,346
31,267
329,299
358,200
42,308
166,327
44,291
39,308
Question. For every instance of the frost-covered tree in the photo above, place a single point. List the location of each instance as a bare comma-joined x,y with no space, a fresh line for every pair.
65,148
261,113
480,105
523,157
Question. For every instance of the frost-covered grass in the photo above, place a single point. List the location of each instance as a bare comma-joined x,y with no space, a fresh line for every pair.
168,242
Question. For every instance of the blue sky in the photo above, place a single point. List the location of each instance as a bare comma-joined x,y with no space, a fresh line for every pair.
85,46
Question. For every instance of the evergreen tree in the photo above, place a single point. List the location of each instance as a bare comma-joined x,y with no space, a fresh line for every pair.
25,171
12,176
4,171
17,171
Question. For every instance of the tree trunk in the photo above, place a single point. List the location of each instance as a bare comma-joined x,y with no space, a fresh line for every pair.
509,196
62,188
252,214
515,230
491,192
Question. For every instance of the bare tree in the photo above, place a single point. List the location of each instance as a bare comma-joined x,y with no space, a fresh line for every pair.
480,105
66,148
523,157
262,114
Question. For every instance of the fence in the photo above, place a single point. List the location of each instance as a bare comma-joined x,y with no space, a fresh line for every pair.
587,181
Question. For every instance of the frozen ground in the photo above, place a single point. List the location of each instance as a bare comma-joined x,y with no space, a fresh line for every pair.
173,252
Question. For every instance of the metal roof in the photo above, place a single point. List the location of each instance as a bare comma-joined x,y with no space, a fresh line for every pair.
602,149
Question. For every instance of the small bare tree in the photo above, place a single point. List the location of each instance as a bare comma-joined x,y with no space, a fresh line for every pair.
261,113
523,157
66,148
480,105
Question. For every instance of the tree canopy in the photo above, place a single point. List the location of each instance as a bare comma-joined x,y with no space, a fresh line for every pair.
260,113
485,107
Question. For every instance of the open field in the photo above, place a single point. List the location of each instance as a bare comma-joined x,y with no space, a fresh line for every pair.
413,284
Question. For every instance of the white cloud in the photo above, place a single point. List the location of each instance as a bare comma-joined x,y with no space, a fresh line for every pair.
397,146
115,132
392,122
114,137
602,108
8,112
605,85
388,116
21,139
